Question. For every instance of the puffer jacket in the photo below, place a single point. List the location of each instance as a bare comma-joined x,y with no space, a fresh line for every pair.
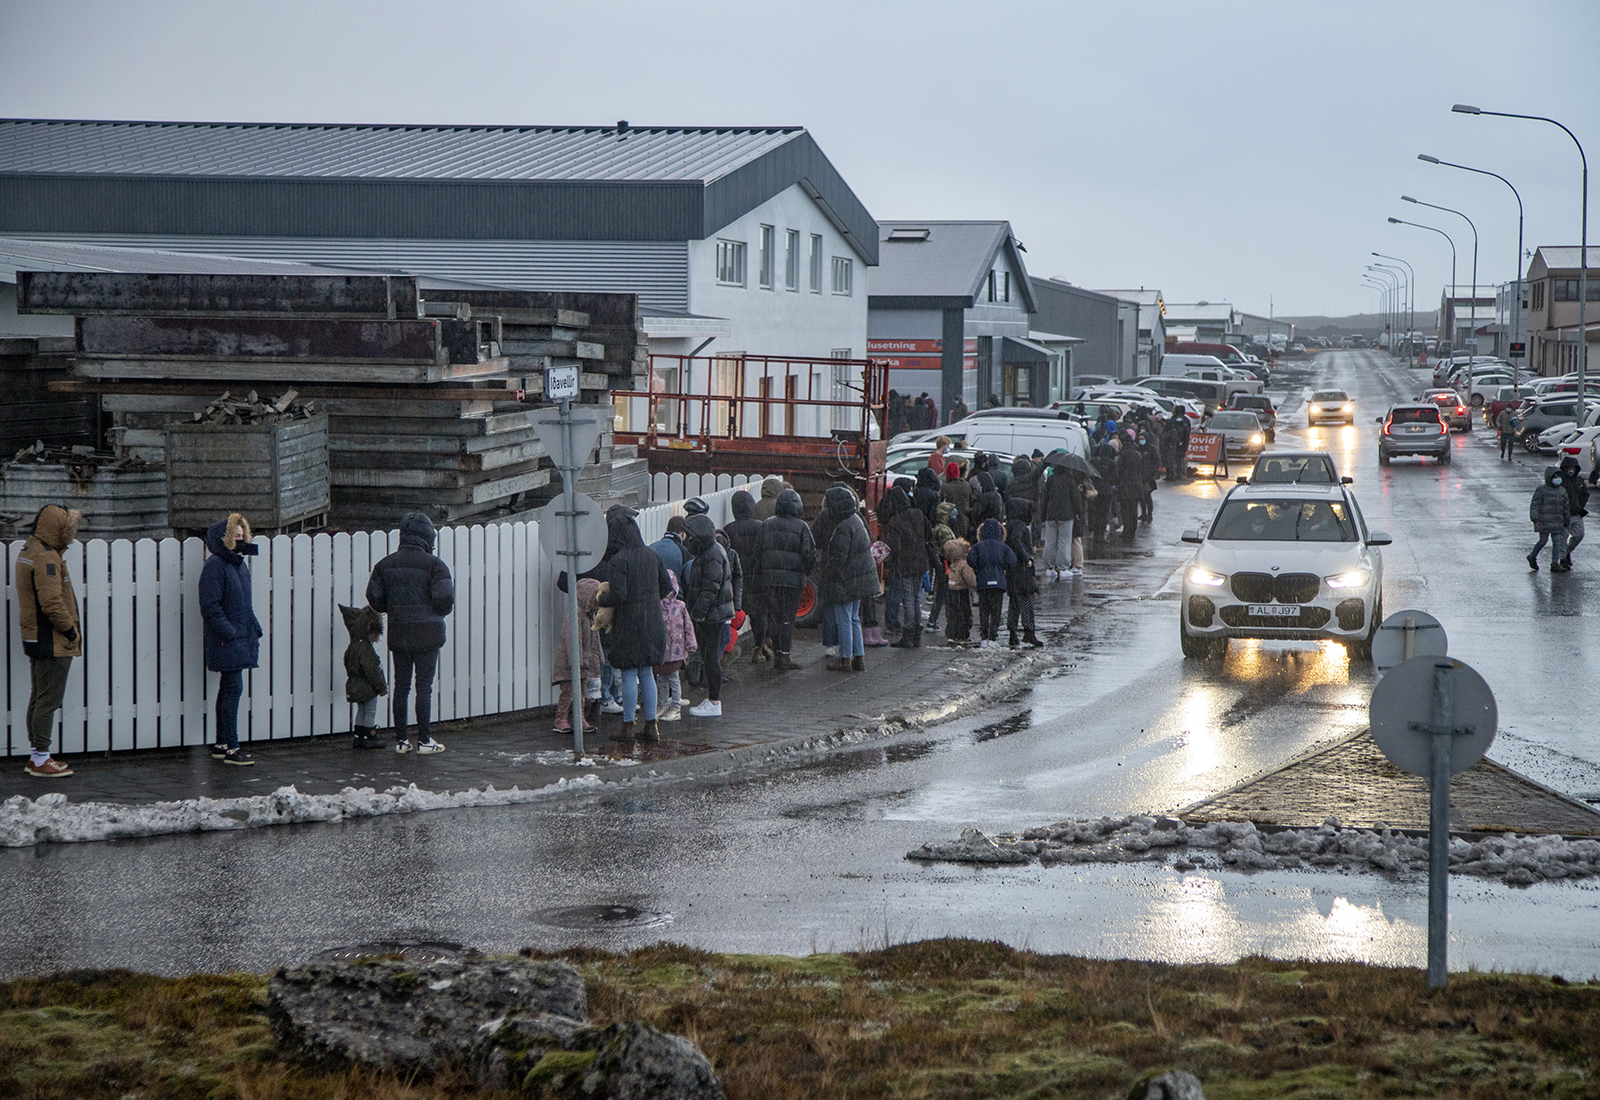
744,537
1577,491
1549,509
771,489
709,592
232,636
669,548
364,679
1058,497
638,583
414,588
926,497
680,628
907,534
1129,474
1024,483
962,577
1020,580
991,558
47,605
787,552
848,572
987,504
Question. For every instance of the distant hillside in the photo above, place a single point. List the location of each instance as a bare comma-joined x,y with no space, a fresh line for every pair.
1366,324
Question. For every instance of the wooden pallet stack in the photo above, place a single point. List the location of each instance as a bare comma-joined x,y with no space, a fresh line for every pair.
427,410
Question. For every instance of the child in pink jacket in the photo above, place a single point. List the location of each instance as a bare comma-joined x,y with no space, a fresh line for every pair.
680,643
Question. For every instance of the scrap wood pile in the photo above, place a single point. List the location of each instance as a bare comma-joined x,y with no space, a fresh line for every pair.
228,409
426,399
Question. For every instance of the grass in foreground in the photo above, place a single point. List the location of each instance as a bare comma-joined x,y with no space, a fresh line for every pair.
941,1018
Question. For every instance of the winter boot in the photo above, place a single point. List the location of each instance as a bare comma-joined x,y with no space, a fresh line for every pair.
839,664
858,664
783,663
650,731
916,639
625,733
1032,639
591,709
1013,639
1533,563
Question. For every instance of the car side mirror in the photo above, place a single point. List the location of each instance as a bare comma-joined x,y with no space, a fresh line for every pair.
1347,481
1379,538
1192,535
1377,420
1242,480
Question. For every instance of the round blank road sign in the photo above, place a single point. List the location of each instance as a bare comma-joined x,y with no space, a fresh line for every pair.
1389,643
1404,698
591,533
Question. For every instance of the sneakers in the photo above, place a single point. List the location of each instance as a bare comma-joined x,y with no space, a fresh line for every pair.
218,751
402,746
670,713
711,708
830,651
428,745
50,769
238,757
610,706
1533,563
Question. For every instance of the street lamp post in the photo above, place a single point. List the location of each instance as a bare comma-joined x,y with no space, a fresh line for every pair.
1583,244
1516,298
1383,297
1411,318
1400,300
1408,292
1446,236
1393,289
1472,328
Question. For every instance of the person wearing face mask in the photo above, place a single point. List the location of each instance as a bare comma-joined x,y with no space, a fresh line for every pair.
48,615
1577,505
1549,510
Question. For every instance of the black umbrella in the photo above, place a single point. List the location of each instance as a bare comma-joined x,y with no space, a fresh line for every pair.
1069,461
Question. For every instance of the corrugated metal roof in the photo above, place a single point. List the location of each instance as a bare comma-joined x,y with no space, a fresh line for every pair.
950,263
19,254
255,150
1566,257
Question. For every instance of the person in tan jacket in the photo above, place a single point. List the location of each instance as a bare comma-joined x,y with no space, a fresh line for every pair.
48,610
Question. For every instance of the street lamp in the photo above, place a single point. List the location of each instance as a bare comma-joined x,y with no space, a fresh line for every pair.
1446,236
1393,289
1383,298
1516,299
1583,245
1411,319
1409,293
1472,328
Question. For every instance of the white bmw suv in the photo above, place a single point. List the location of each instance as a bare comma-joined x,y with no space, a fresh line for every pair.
1288,561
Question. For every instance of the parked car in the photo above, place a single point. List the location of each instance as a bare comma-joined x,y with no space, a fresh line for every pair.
1413,430
1283,561
1261,405
1582,445
1481,387
1451,409
906,462
1242,432
1009,431
1534,416
1326,405
1211,395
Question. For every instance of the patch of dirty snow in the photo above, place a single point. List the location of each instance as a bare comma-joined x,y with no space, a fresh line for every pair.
25,821
1514,860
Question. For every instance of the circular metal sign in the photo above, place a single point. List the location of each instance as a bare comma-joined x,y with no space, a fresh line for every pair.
1428,639
1402,713
591,533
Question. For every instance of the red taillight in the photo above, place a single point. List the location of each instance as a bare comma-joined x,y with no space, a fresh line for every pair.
1461,410
1386,428
1572,450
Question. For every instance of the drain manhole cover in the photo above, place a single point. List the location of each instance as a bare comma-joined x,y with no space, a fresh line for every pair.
421,951
602,916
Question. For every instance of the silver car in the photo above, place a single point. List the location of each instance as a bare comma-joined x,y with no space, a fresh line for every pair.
1241,431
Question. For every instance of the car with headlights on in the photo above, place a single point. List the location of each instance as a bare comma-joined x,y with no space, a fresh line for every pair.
1241,431
1411,431
1330,406
1283,561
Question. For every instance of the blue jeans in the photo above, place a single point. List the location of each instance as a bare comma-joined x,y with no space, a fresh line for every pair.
610,683
1558,546
830,632
847,626
891,605
638,691
229,691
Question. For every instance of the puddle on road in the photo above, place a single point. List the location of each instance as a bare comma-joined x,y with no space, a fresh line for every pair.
1003,728
582,917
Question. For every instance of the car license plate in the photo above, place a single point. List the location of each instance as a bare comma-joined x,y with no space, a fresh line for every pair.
1274,610
1415,428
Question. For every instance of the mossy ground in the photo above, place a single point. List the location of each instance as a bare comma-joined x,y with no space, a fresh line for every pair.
941,1018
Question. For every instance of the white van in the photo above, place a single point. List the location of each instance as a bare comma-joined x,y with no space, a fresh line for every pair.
1008,431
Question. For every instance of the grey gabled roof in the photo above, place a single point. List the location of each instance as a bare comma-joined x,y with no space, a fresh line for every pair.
472,182
947,268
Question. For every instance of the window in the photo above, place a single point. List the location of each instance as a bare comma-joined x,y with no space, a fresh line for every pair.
843,274
1538,294
1563,290
816,263
1284,521
1008,286
791,260
991,286
769,258
730,263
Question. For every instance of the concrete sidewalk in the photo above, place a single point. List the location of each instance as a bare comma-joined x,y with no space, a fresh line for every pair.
764,713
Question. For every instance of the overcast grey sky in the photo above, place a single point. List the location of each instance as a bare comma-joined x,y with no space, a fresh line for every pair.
1231,150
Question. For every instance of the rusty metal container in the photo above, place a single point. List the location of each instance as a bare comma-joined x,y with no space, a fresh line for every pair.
275,472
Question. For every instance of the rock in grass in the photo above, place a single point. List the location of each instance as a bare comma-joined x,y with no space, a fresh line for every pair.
402,1014
1174,1084
635,1061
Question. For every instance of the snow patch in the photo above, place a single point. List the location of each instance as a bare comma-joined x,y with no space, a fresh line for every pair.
1514,860
51,818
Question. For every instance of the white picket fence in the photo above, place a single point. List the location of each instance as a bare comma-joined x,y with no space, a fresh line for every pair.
676,487
142,682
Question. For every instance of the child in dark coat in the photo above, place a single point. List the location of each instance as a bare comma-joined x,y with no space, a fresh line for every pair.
1020,581
364,679
990,560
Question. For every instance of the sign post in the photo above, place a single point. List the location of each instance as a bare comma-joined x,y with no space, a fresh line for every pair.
1208,448
1434,716
574,440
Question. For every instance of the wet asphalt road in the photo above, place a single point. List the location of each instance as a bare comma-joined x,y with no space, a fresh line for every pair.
811,858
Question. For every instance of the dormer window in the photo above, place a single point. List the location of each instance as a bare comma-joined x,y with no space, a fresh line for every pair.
908,234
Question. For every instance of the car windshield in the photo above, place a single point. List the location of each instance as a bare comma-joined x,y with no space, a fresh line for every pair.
1306,469
1284,521
1329,396
1235,420
1414,416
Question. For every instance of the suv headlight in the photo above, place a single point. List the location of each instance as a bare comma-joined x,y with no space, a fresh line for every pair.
1316,408
1201,575
1355,578
1256,438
